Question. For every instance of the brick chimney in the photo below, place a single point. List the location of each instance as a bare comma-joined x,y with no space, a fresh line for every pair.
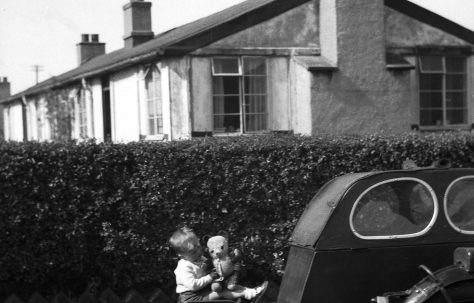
4,88
137,23
89,47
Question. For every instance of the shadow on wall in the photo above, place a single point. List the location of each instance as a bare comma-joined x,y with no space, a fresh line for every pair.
341,106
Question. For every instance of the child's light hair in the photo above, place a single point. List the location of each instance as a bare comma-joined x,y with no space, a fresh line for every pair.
183,240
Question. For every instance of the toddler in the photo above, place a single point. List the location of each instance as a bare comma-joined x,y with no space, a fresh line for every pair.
192,280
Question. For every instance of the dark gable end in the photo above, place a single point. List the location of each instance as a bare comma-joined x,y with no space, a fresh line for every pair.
175,42
419,13
233,25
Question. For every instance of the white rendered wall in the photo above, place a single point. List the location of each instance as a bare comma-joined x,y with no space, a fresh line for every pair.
14,119
125,98
32,120
44,129
278,100
201,94
97,114
300,99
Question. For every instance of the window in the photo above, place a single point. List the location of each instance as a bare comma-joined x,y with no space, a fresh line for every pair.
239,94
442,91
154,101
82,113
459,206
398,208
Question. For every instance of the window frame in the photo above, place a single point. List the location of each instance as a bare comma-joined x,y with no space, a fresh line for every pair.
239,63
404,236
445,206
241,94
157,82
444,91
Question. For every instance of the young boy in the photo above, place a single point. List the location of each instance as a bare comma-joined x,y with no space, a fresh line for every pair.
192,282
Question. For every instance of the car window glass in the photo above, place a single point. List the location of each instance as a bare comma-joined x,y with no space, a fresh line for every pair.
459,204
394,208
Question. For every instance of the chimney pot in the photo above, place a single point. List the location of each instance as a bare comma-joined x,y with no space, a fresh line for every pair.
94,38
85,38
5,79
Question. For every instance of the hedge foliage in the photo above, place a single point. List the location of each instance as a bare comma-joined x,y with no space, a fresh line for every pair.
73,212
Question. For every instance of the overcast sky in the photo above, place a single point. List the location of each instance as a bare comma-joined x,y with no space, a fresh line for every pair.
45,32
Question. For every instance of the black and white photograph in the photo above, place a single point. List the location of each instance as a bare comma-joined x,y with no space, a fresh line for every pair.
236,151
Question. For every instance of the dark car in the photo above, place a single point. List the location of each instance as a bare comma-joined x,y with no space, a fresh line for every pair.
365,234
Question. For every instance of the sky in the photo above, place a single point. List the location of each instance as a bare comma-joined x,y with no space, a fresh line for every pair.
44,33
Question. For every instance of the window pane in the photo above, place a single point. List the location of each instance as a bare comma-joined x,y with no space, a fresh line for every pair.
151,108
399,207
226,105
255,104
456,64
255,122
226,65
226,85
254,66
431,82
160,124
227,123
460,204
431,100
431,117
255,85
158,106
455,81
456,116
431,64
219,124
150,90
151,127
455,100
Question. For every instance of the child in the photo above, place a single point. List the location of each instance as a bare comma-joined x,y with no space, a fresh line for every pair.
192,282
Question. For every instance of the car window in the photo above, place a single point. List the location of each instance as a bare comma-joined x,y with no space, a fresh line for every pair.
398,208
459,204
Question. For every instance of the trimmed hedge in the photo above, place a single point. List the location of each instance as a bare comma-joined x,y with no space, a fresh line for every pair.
71,213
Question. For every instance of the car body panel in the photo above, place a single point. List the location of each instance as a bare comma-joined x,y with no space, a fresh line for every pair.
328,262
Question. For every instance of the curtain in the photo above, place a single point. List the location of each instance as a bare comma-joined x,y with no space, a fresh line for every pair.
255,94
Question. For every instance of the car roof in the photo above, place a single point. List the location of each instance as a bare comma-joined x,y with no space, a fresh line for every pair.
325,221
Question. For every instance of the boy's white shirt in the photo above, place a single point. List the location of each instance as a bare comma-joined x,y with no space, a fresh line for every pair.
191,276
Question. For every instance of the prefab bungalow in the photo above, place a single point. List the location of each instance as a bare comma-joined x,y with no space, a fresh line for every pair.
300,66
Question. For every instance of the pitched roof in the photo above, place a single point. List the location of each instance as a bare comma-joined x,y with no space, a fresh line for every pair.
175,42
197,34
